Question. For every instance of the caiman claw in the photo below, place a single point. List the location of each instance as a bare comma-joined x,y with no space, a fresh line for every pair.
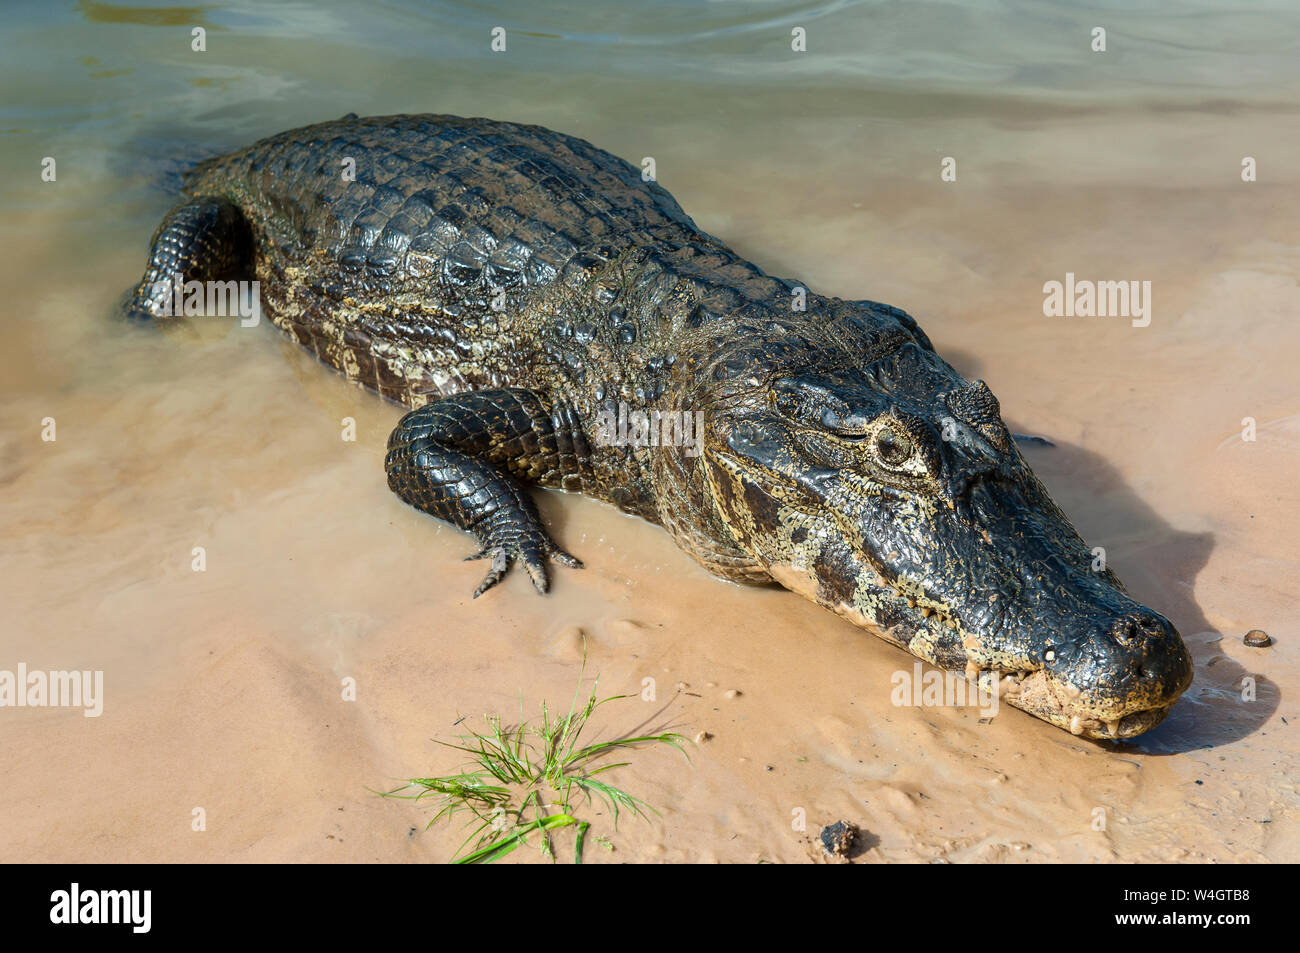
532,547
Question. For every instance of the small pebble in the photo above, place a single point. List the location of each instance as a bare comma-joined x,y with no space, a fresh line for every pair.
838,838
731,693
702,737
1257,639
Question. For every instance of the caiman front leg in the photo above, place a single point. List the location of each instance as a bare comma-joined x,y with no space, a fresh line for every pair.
461,459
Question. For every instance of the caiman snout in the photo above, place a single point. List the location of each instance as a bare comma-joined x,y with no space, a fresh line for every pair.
1118,680
926,523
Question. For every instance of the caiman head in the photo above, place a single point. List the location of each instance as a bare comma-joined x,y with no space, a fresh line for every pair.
863,472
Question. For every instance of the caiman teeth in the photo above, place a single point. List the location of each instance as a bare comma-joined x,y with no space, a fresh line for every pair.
1016,683
940,615
1006,683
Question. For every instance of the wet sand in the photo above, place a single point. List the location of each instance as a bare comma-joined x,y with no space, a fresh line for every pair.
223,688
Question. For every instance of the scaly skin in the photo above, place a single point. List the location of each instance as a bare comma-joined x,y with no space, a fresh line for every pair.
509,284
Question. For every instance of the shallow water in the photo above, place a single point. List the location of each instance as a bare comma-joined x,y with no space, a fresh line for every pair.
222,687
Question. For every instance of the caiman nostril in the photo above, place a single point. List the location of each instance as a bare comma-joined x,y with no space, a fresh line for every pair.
1134,627
1155,653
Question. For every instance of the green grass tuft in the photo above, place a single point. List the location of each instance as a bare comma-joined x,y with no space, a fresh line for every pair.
527,782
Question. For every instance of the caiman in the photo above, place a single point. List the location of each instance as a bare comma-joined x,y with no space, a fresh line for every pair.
512,286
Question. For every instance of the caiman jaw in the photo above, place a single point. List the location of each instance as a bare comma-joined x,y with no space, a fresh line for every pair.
1040,695
926,624
1029,688
1058,712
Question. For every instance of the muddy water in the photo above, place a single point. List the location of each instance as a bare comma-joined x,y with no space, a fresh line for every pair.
223,688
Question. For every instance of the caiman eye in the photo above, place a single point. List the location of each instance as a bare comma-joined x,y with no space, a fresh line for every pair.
893,447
